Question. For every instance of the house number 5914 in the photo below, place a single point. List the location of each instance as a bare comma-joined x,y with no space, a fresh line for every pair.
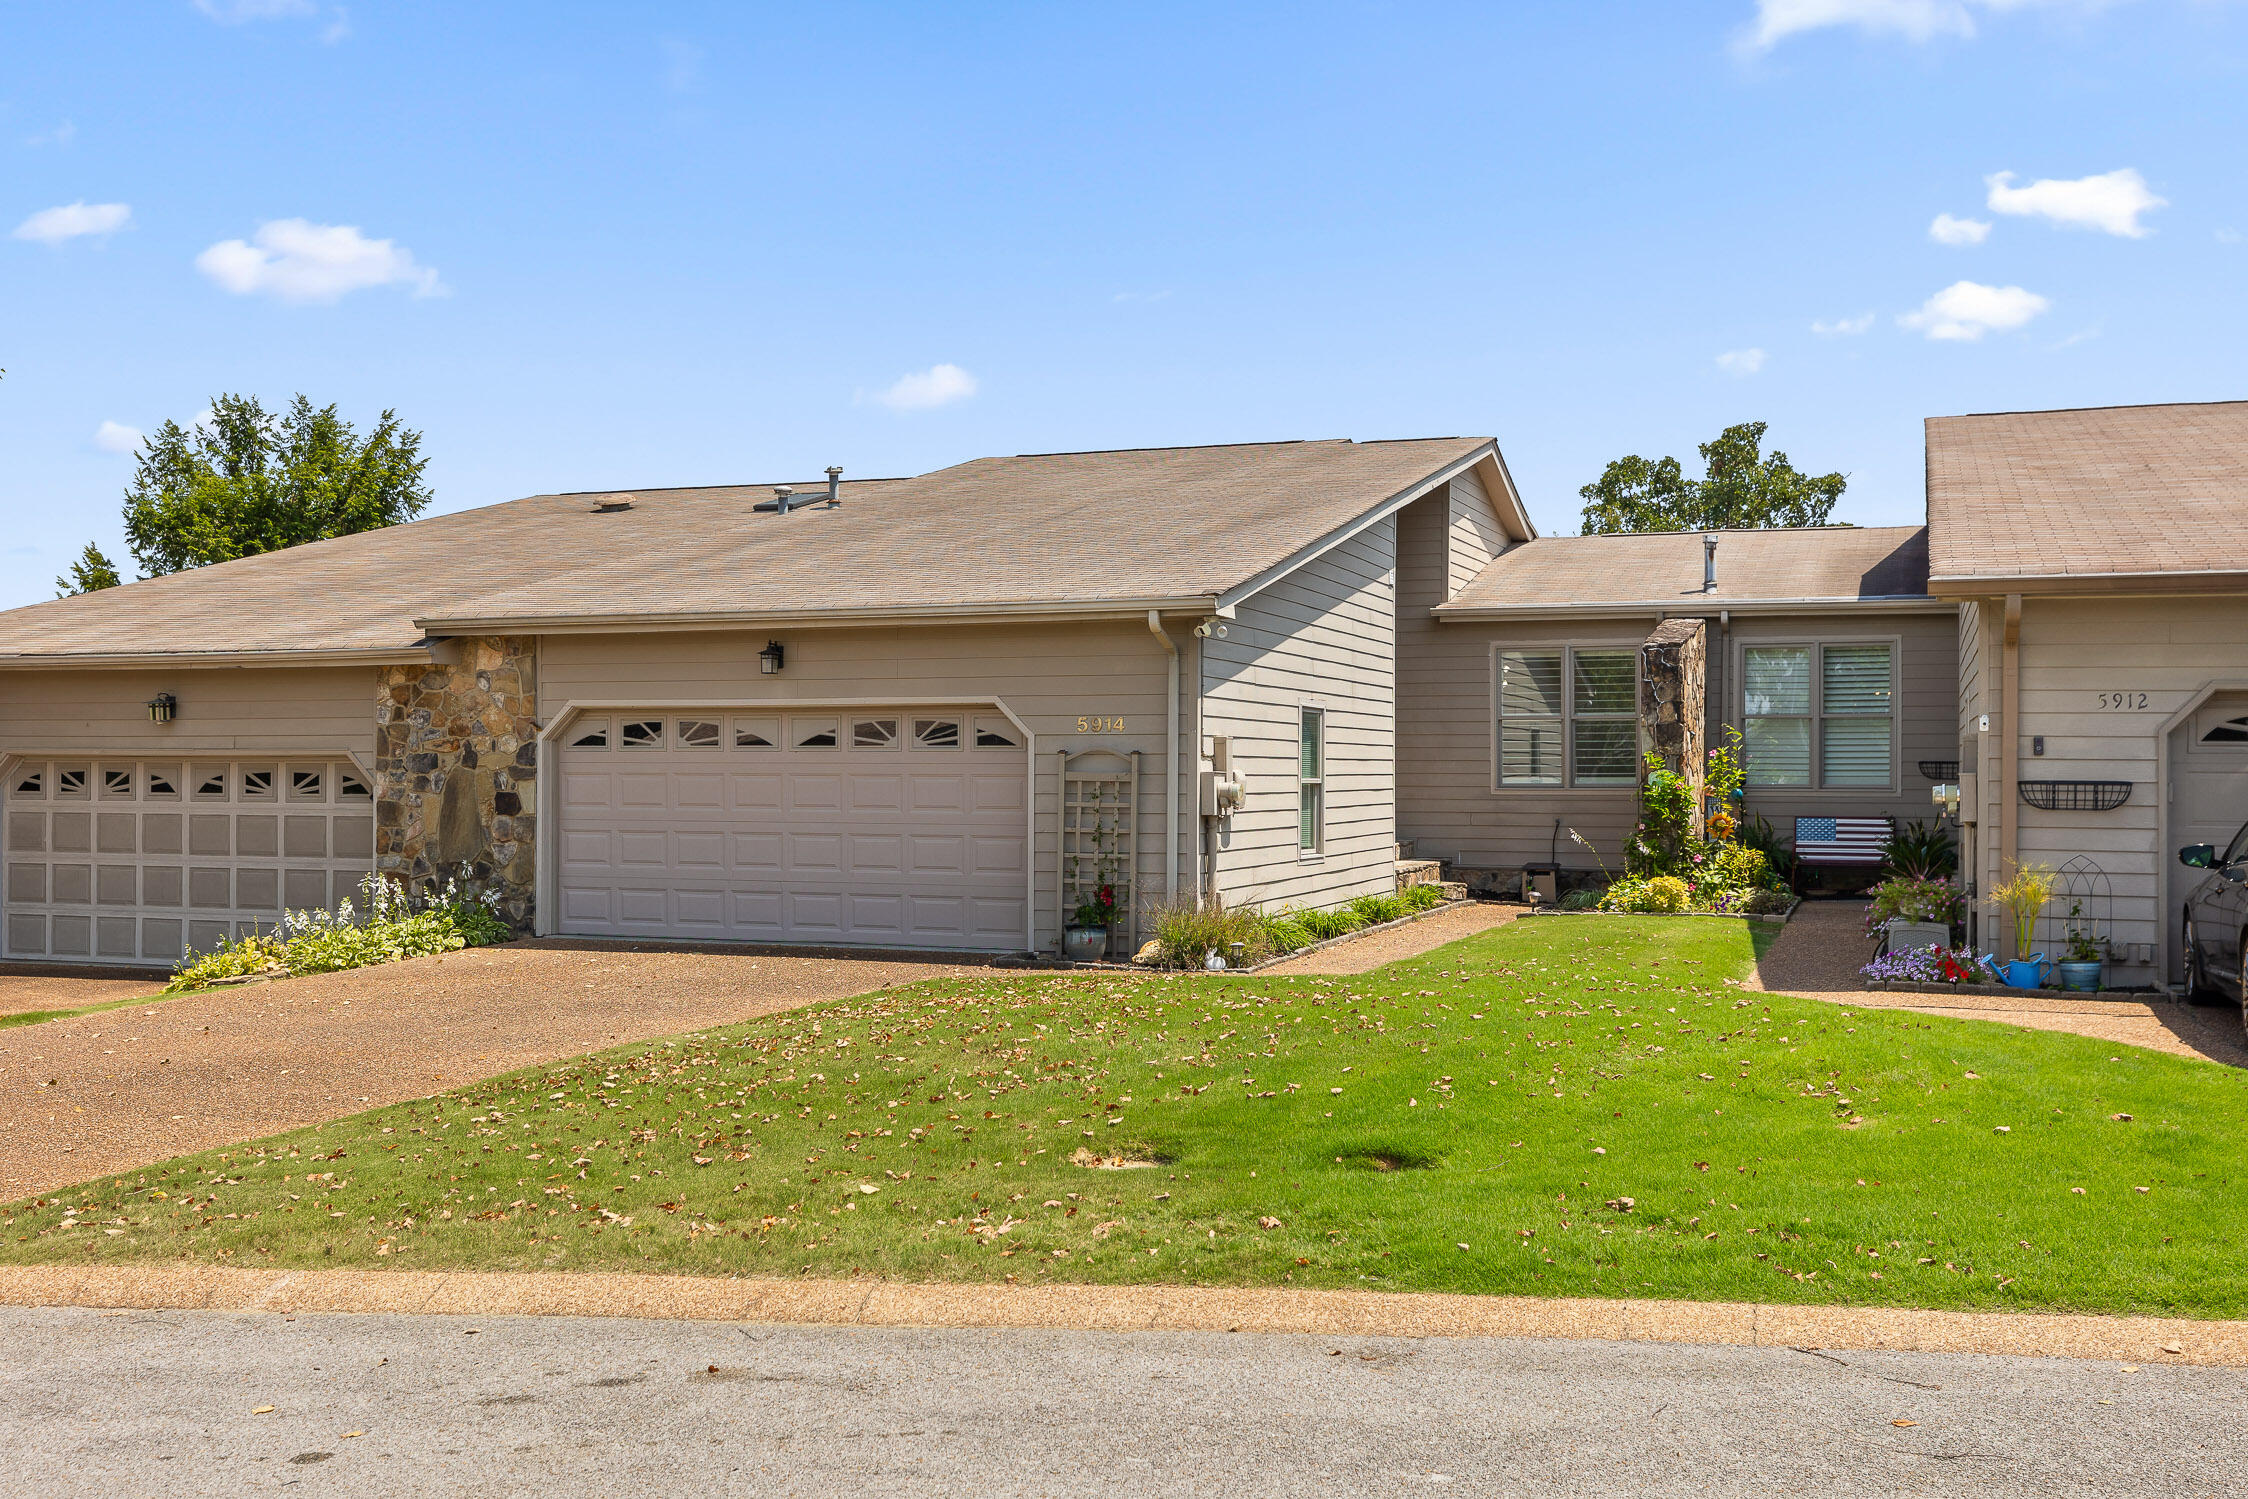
2119,701
1094,723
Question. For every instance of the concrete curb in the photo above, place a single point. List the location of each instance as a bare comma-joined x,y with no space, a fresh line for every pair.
2152,1340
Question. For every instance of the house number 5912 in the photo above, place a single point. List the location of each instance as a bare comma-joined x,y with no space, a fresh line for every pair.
2118,701
1094,723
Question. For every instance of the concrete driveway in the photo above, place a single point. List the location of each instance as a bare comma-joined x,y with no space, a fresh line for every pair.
95,1094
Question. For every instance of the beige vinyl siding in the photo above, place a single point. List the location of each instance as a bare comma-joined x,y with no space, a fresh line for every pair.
1473,534
1050,674
1323,636
1446,805
2072,650
257,710
1970,682
1924,721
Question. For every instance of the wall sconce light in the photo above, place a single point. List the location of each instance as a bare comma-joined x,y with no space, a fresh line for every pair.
769,660
163,708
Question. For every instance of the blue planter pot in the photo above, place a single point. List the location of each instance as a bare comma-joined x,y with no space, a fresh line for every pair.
2082,978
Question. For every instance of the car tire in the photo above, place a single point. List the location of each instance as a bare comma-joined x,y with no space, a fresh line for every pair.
2198,988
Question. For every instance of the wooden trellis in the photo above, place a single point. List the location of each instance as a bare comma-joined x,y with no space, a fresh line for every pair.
1099,835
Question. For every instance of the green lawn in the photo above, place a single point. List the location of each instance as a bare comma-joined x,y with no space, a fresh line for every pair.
1473,1120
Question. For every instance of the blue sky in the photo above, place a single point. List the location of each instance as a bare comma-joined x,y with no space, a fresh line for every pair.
586,246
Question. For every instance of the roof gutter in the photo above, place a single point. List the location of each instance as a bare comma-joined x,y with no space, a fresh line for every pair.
732,619
1970,585
122,661
1697,604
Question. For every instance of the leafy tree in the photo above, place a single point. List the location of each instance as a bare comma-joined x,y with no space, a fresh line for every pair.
1742,489
245,480
90,572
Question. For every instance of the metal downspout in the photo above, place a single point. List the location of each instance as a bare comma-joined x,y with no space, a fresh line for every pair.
2009,755
1170,760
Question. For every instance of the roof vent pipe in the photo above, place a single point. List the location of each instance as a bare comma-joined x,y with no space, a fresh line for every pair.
1709,564
834,485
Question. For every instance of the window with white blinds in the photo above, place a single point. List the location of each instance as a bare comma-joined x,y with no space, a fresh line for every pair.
1568,717
1838,700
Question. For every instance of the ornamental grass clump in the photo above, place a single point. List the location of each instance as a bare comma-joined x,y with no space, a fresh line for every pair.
2023,896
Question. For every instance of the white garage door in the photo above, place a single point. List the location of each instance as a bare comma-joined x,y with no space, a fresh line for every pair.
895,827
137,861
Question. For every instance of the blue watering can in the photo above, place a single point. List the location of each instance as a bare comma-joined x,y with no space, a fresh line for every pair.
2022,973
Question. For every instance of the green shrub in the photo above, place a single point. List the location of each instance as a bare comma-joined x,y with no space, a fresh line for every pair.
1421,897
390,928
1587,899
1759,834
1739,867
1185,934
1921,851
1664,894
1287,933
1767,902
1373,910
1325,926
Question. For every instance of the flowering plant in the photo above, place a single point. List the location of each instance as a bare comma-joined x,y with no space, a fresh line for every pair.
1925,965
1099,908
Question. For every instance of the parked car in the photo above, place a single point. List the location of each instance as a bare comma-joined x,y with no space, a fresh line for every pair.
2216,921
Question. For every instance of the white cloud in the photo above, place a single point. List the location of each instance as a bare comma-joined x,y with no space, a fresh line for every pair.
1947,230
2111,201
938,385
1741,362
235,12
116,437
1966,310
1843,325
299,261
1913,20
52,226
61,135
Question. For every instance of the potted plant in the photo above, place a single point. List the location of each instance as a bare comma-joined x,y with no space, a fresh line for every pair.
1910,914
2085,968
2023,897
1085,939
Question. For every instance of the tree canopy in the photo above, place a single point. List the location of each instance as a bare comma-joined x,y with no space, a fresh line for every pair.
245,480
1742,489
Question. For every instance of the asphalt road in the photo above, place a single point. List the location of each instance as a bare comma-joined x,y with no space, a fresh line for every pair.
167,1403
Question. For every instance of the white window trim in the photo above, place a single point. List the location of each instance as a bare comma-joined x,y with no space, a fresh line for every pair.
1498,786
1737,717
1317,853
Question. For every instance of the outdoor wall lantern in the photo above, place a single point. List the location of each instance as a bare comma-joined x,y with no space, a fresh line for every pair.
163,707
769,659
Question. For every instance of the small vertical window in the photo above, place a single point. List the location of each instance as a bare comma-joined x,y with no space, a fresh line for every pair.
1311,781
1531,727
593,733
1854,717
642,733
874,733
1776,709
698,733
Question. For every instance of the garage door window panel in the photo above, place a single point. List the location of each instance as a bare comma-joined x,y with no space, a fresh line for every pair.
161,783
70,783
698,733
641,734
117,783
874,733
258,784
996,733
757,733
590,734
936,733
31,785
210,783
813,733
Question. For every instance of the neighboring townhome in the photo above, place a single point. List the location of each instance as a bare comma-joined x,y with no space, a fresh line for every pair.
1528,696
930,712
2100,558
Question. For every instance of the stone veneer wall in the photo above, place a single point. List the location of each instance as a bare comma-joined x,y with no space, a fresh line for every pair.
1673,689
456,766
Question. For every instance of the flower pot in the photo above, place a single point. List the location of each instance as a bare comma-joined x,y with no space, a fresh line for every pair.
2084,978
1085,944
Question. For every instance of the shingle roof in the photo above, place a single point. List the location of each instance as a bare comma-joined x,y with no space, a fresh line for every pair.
1037,531
2097,493
1663,570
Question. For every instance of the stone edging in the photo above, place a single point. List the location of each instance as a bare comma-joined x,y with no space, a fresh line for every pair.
2153,1340
1352,936
2107,996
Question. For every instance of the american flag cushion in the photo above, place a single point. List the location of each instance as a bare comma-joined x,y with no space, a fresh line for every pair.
1841,840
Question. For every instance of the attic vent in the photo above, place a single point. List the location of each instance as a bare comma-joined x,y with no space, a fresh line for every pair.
785,498
611,507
